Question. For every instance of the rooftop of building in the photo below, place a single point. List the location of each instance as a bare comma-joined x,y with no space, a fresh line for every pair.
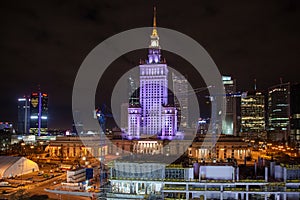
141,158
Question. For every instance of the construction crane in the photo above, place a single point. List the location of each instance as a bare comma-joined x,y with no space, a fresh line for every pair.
101,114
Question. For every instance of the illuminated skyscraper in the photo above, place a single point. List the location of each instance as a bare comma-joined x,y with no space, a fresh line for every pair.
295,116
253,113
279,111
23,115
180,89
153,116
38,113
133,91
229,124
124,116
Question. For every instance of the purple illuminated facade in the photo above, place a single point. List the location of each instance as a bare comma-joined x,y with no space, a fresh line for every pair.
153,116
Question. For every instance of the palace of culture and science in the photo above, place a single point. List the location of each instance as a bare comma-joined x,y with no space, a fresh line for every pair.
152,115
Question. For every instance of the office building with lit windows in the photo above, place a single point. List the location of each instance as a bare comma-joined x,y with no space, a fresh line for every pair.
279,111
133,91
23,115
229,125
38,113
253,112
180,89
295,116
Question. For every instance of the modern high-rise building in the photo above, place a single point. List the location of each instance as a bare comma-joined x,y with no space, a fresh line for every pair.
295,116
124,116
253,113
279,111
133,92
23,115
38,113
180,89
230,122
153,115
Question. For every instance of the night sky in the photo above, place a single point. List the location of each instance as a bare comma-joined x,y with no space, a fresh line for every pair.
44,43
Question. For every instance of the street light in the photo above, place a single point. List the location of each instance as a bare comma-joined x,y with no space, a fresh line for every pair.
22,147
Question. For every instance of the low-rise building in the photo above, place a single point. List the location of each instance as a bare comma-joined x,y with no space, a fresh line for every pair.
155,180
70,148
76,176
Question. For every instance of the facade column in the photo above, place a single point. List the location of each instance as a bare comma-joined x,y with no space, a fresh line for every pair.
221,192
247,194
284,174
187,191
237,195
266,174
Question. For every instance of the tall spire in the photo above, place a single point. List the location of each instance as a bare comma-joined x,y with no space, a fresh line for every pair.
154,55
154,16
154,31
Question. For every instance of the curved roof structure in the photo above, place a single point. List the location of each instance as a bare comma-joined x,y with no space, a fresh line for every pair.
15,166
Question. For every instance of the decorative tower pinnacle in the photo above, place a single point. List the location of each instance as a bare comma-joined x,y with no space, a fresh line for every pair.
154,55
154,36
154,32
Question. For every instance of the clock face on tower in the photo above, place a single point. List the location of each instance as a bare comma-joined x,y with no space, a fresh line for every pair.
154,43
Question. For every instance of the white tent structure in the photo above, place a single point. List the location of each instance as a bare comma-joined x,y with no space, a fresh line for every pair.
11,166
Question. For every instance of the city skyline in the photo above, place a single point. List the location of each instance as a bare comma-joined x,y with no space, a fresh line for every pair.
41,48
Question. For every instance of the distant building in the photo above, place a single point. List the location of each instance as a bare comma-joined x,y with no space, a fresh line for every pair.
38,113
6,131
78,125
202,126
295,116
279,111
230,122
180,89
23,115
76,176
124,116
253,113
6,127
133,91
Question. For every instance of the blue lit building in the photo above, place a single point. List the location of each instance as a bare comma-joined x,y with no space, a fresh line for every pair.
229,124
23,115
38,113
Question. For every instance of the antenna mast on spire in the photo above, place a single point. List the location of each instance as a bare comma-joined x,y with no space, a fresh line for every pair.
154,32
154,17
